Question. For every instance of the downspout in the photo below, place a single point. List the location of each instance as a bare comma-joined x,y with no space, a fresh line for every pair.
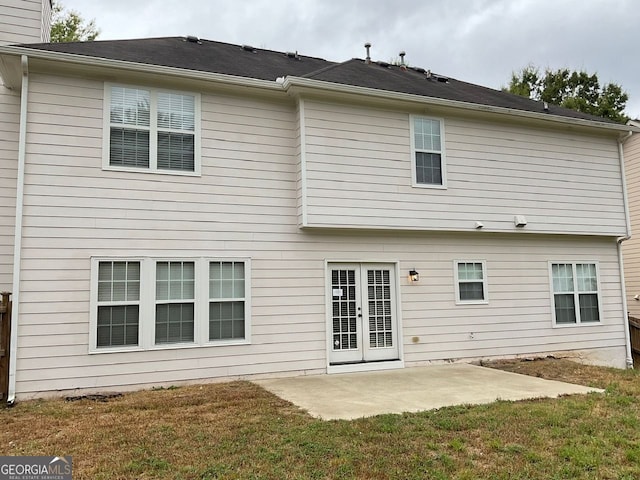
17,244
625,318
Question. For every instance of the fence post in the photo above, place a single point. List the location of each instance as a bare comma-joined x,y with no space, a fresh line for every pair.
5,339
634,334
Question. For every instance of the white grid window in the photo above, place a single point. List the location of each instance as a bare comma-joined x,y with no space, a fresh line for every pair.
118,304
151,130
226,300
471,281
158,303
175,302
428,162
575,293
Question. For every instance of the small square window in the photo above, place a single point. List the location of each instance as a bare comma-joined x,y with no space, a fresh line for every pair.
471,281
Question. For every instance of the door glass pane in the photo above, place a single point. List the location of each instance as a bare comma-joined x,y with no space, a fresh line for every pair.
379,312
344,318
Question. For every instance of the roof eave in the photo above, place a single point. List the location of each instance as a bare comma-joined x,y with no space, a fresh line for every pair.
291,83
140,67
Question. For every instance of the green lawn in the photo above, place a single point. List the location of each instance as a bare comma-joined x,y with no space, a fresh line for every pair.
238,430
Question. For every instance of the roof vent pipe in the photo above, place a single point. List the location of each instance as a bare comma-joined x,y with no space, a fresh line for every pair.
403,66
368,46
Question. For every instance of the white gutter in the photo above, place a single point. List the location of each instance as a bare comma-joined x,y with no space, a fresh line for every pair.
17,245
623,287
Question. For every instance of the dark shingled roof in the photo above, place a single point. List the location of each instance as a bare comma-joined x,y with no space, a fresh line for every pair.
228,59
417,81
204,56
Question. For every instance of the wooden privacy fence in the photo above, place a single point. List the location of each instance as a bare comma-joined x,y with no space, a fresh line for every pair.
5,337
634,331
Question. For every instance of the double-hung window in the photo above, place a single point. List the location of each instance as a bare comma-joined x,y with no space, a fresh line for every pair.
226,300
118,304
471,281
151,130
427,142
175,302
147,303
575,293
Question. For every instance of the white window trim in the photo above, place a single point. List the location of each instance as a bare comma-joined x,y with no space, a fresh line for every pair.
197,308
575,294
147,320
485,283
443,162
153,130
93,301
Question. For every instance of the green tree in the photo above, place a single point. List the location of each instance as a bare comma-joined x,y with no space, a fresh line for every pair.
571,89
69,26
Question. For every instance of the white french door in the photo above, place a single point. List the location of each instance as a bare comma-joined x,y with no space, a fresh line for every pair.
363,323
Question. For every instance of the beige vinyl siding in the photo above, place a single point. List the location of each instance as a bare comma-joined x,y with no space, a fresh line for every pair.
21,21
358,171
45,26
631,248
245,206
9,131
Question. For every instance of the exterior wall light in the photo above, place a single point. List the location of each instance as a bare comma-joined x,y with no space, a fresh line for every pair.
414,276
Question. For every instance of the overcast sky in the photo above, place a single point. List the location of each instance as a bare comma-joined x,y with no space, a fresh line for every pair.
478,41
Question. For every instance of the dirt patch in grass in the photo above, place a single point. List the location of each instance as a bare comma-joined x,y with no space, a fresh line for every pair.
238,430
566,370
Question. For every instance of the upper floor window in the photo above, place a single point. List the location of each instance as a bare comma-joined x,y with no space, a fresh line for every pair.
575,293
427,142
151,129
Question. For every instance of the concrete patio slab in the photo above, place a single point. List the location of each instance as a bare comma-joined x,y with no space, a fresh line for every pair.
354,395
